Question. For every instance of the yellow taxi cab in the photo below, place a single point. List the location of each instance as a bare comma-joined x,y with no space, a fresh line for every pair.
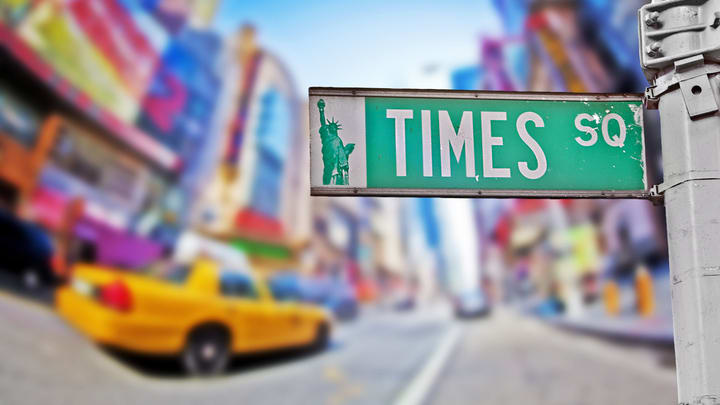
200,312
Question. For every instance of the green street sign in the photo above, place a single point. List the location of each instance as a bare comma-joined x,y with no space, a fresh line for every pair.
387,142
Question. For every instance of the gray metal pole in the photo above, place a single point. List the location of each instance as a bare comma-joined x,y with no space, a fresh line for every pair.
680,43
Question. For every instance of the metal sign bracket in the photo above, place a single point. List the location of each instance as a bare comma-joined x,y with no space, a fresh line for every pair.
692,75
676,181
657,192
656,197
704,400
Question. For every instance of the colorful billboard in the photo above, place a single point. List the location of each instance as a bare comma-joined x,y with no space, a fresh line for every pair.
181,98
113,31
114,58
56,34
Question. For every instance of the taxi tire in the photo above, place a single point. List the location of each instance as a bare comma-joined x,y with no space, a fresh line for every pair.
31,279
322,337
207,351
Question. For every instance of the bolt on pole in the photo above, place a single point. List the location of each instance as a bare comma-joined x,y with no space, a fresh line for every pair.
680,55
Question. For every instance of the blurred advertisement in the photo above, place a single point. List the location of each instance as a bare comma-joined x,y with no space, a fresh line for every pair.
111,28
23,145
111,188
180,102
18,118
54,31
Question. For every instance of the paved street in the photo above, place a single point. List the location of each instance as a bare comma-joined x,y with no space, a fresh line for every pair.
421,357
524,362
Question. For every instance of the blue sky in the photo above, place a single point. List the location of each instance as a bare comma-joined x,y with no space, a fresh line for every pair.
369,43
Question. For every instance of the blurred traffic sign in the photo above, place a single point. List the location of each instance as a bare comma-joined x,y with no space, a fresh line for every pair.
476,144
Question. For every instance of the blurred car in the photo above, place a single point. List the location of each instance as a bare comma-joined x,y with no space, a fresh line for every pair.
404,302
200,313
471,304
333,293
343,303
27,250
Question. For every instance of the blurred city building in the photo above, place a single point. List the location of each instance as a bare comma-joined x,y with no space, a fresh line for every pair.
254,197
110,109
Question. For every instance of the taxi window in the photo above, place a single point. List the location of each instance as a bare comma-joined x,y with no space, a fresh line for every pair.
178,273
175,273
237,285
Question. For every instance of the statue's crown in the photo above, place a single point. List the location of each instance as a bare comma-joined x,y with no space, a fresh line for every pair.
334,125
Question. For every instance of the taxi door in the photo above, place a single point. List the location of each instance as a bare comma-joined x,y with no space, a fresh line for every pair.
254,323
293,327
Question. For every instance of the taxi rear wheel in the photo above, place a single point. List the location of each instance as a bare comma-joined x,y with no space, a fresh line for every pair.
207,351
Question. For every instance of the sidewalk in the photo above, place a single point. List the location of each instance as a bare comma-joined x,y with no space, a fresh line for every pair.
656,329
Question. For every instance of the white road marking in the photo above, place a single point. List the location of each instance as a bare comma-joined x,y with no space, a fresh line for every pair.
418,389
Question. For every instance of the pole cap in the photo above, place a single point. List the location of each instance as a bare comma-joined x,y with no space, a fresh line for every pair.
671,30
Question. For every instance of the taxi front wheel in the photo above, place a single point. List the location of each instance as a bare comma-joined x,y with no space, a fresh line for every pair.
322,337
31,279
207,351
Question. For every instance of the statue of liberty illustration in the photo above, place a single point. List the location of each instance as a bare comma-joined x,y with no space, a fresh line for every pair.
335,154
